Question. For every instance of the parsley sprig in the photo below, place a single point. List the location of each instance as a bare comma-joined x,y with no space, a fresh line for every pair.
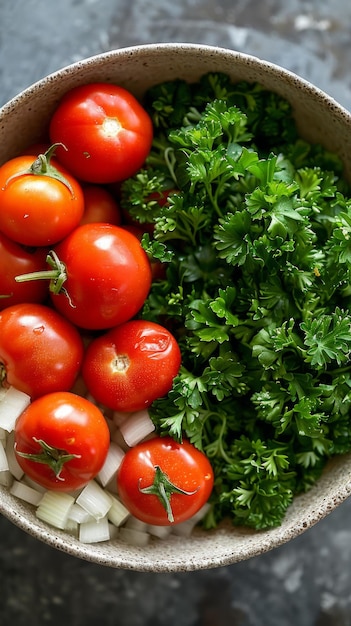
255,237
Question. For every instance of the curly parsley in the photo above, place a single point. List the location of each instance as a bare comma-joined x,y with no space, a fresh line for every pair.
256,238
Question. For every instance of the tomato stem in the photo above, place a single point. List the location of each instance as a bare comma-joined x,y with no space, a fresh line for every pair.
48,455
42,167
57,275
163,488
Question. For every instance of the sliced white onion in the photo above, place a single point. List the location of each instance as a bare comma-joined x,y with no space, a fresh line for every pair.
119,417
118,513
26,493
54,508
4,466
138,426
3,435
94,532
14,466
134,537
112,463
184,529
6,479
79,515
161,532
12,405
94,500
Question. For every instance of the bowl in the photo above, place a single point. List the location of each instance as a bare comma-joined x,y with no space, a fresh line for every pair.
319,119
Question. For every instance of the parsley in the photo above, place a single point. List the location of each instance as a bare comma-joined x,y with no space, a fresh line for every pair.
255,237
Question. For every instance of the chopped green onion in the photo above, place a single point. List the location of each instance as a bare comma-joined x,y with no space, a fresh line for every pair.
112,463
12,405
54,508
138,426
94,500
117,513
26,493
95,531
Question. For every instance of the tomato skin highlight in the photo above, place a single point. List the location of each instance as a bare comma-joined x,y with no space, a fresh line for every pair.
108,276
38,210
131,365
15,260
185,466
106,131
40,351
68,423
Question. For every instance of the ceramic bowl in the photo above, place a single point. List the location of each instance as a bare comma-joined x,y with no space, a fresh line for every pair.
320,119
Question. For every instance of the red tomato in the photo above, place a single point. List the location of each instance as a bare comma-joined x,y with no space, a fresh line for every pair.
40,351
14,260
108,276
61,441
132,365
106,131
162,482
37,209
100,206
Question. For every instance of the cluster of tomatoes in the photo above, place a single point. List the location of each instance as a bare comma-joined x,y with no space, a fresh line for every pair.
73,278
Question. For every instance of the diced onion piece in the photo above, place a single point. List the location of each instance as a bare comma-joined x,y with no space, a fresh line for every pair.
6,479
138,426
119,417
54,508
161,532
31,483
134,537
113,531
14,467
3,435
12,405
184,529
4,466
94,500
136,524
72,527
26,493
112,463
93,532
79,515
118,513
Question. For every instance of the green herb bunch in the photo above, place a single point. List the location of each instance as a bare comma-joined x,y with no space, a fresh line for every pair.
256,238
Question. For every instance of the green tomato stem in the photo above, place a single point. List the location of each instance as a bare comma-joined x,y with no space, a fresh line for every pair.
53,457
57,274
42,167
163,488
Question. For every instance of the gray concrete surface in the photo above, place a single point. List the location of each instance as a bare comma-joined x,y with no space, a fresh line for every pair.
306,582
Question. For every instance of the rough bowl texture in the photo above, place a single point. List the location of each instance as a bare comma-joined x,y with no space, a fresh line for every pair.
320,119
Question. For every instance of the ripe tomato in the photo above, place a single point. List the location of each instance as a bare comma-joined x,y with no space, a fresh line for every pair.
61,441
107,133
108,276
99,206
37,208
14,260
162,482
132,365
40,351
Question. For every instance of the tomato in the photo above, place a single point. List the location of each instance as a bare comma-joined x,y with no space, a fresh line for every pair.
100,206
163,482
106,131
14,260
61,441
40,351
131,365
40,201
107,276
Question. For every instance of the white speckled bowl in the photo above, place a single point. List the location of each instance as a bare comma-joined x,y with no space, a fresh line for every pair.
319,118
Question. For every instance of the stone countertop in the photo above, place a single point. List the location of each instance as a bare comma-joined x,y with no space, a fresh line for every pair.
305,582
